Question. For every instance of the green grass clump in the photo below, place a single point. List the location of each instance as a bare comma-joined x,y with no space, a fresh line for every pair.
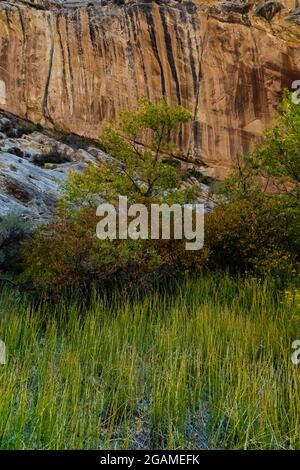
207,367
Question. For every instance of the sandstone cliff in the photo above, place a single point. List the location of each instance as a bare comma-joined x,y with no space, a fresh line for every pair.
72,64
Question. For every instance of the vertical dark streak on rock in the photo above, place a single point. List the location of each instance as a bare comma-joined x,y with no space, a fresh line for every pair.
81,59
133,13
195,137
257,79
129,52
23,60
51,54
78,31
65,85
196,123
151,29
193,65
289,74
170,54
92,29
69,57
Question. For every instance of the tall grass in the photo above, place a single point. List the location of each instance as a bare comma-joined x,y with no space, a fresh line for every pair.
207,367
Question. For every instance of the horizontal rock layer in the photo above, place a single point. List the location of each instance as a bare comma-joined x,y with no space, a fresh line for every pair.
72,64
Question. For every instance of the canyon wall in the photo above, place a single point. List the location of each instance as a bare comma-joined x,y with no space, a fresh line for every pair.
72,64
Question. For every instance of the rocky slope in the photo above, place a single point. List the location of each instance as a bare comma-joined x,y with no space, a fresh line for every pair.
72,64
32,167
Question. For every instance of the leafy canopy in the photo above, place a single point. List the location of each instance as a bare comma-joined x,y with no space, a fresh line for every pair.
269,178
142,143
280,156
67,252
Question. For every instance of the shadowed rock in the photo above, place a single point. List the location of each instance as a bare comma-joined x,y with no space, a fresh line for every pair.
269,9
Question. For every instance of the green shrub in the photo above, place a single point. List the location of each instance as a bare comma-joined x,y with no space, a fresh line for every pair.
257,227
250,234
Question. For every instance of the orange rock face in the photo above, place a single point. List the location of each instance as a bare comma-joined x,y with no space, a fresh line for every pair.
72,64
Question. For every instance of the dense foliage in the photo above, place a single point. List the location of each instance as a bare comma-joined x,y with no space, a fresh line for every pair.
254,226
258,225
67,252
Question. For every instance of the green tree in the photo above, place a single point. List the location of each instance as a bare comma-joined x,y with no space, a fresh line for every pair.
279,157
265,186
67,252
143,146
274,166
